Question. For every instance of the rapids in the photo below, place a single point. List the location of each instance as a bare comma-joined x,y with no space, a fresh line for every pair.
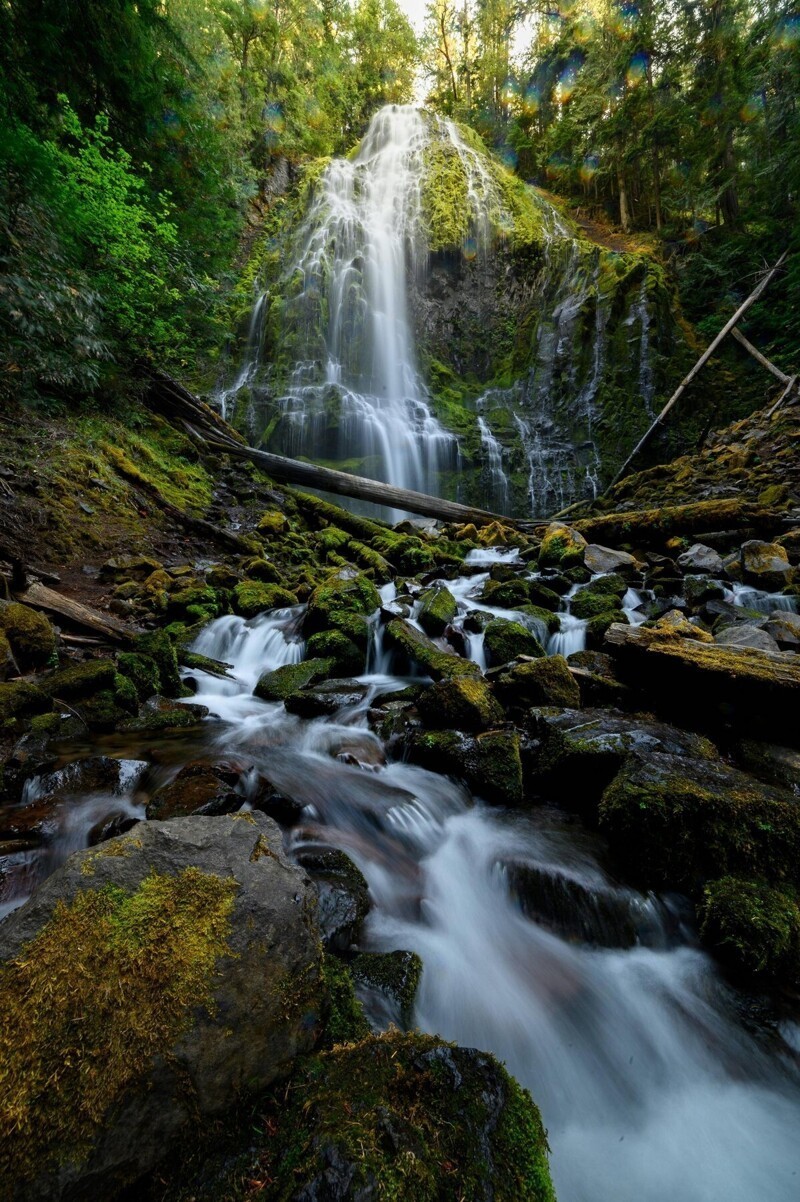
601,1001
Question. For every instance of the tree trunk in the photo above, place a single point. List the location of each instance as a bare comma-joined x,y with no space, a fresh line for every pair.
624,214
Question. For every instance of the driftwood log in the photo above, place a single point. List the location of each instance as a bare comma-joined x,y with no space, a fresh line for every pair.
109,628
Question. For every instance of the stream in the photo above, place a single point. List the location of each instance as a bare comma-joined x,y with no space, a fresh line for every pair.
650,1083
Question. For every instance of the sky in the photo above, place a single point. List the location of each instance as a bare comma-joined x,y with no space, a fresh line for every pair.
415,11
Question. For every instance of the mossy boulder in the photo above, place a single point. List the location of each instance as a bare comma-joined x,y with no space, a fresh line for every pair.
18,699
157,646
509,594
345,658
394,976
196,601
611,584
489,763
589,604
29,634
343,591
540,594
437,609
766,565
504,640
253,597
282,682
8,665
545,681
753,927
81,679
417,648
561,547
678,823
597,626
461,704
345,1021
142,672
272,522
161,714
185,956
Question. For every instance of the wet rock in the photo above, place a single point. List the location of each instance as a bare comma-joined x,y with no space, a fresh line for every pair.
745,635
597,626
19,700
344,591
489,763
753,692
201,787
675,822
342,895
594,674
326,698
675,624
187,953
343,655
252,597
394,976
701,560
505,640
280,683
722,613
437,609
776,765
417,648
157,646
603,559
510,594
545,598
134,567
561,547
699,589
753,927
766,565
160,714
538,682
462,704
29,635
588,604
784,628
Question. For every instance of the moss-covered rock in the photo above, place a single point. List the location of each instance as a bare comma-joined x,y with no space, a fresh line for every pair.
394,975
344,591
81,679
157,646
142,671
600,624
611,584
675,822
19,700
754,927
461,704
342,895
545,681
282,682
417,648
588,604
505,640
344,1015
253,597
509,594
345,658
29,634
562,547
201,787
490,763
196,601
437,609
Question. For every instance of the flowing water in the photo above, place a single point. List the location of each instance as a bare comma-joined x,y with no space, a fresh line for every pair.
597,997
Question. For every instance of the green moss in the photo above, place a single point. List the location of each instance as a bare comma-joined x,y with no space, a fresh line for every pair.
157,646
753,926
81,680
444,196
19,699
504,641
545,681
490,763
561,547
141,671
419,649
508,594
252,597
290,678
30,635
111,982
587,604
344,656
345,1022
196,598
394,974
437,609
599,624
465,703
550,621
344,591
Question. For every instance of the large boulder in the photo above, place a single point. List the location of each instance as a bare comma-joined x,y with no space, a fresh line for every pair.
766,565
701,560
146,986
201,787
753,927
538,682
604,559
30,636
437,609
561,547
784,627
505,640
490,762
461,704
416,648
746,635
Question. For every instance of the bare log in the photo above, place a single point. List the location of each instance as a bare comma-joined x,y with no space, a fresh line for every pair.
111,629
790,384
756,353
701,362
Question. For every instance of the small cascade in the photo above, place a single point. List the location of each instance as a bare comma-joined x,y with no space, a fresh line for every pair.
497,487
640,316
250,358
764,603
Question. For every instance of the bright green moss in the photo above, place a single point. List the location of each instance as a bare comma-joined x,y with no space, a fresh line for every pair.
345,1021
252,597
504,641
30,635
112,981
753,926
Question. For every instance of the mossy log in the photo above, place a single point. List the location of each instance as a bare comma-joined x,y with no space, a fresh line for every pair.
652,527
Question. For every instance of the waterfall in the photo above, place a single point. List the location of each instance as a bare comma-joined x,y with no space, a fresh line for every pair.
497,479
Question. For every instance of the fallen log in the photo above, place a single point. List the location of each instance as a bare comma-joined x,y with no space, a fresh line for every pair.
110,628
652,527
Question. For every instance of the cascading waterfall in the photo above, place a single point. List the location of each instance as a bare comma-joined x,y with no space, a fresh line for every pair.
497,480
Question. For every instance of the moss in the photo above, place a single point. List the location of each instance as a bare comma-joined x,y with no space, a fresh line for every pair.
427,1121
550,621
504,641
251,597
508,594
261,569
19,699
345,1022
753,926
343,656
561,547
587,604
462,704
111,982
612,584
157,646
272,522
353,625
203,663
419,649
541,682
81,680
599,624
542,596
490,763
197,601
344,591
444,196
30,635
394,974
178,718
282,682
653,527
141,671
437,609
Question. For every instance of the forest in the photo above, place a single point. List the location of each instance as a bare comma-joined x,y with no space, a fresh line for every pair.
399,601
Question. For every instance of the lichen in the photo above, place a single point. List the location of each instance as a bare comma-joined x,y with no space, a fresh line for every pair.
111,981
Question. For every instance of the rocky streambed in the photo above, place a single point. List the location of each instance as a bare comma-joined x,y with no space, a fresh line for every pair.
370,790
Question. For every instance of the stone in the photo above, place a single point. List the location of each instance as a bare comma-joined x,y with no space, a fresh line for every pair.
281,682
675,624
437,609
603,559
505,640
461,704
159,713
588,604
417,648
187,952
561,547
701,560
771,763
201,787
326,698
745,635
342,895
394,976
343,656
699,589
766,565
538,682
20,700
343,591
753,927
253,597
784,627
29,635
676,822
489,763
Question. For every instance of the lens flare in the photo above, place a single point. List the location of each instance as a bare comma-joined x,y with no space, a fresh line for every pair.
469,250
752,108
568,80
637,69
711,113
510,91
273,118
625,20
589,168
553,22
532,100
557,166
788,33
508,156
583,30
